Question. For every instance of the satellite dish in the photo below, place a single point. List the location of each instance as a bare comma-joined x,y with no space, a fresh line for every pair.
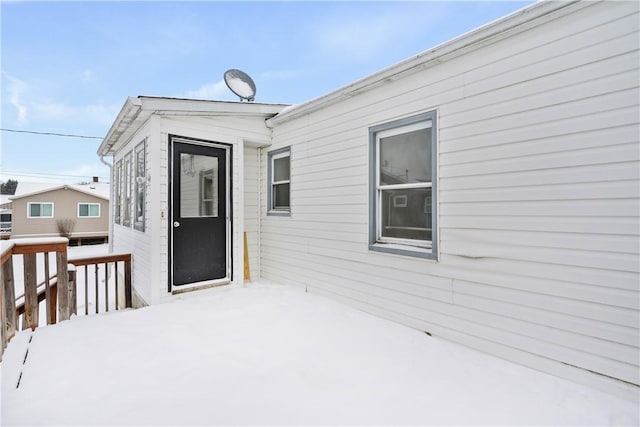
241,84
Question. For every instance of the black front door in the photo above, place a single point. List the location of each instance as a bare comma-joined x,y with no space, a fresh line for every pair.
200,213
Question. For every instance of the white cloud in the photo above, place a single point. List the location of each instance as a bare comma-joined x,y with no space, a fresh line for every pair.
44,110
209,91
16,91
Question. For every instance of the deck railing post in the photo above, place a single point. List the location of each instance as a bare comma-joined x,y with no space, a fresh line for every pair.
30,292
53,303
64,305
127,284
10,317
73,301
47,288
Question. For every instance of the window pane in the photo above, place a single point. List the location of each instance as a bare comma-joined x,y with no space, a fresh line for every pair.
94,210
406,158
126,199
83,210
140,184
34,209
281,169
118,191
406,214
198,185
47,209
281,196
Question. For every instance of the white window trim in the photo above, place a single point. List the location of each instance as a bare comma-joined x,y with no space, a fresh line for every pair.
271,158
410,247
117,216
140,148
127,199
89,210
53,214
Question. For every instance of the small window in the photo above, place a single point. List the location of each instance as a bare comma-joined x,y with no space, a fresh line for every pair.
403,187
279,170
119,177
39,210
126,191
140,186
88,210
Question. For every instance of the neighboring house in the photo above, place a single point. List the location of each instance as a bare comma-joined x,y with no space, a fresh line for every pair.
5,216
484,191
79,211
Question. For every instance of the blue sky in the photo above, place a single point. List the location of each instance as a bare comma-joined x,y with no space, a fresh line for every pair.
67,67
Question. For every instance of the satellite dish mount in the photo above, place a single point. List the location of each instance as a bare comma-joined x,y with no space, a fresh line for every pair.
241,84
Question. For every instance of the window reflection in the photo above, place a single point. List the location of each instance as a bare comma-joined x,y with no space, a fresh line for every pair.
405,158
198,186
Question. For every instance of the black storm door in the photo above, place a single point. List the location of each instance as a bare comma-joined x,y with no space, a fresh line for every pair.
200,213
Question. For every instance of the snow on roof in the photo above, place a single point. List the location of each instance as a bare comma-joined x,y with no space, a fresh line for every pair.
98,189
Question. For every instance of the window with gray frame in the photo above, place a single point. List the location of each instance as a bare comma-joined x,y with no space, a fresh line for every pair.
126,191
402,182
140,186
279,177
117,215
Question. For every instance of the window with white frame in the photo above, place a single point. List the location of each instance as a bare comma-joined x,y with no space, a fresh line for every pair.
279,177
402,217
126,191
140,186
88,210
40,210
117,217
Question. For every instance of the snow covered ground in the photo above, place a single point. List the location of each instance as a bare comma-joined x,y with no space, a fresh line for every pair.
275,355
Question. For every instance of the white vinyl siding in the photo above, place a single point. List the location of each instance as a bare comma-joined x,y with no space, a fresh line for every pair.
252,185
228,130
538,198
144,246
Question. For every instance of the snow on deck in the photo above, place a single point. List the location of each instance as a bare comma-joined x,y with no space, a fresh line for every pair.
271,354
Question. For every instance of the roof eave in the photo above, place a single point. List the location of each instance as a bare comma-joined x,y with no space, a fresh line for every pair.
56,188
185,106
136,111
127,116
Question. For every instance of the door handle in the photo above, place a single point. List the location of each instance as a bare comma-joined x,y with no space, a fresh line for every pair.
176,224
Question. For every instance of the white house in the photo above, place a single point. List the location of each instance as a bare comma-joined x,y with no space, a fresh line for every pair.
485,191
